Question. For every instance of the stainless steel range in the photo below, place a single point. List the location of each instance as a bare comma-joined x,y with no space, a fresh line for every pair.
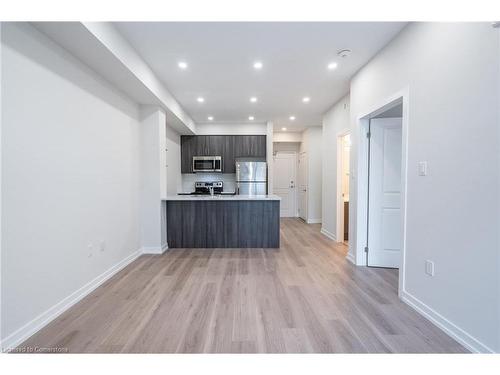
208,188
212,188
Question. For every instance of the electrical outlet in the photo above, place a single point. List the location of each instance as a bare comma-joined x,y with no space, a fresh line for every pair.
422,168
102,246
429,267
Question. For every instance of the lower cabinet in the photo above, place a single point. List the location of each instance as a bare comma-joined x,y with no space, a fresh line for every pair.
223,224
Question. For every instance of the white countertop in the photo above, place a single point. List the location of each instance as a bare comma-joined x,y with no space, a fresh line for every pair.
222,198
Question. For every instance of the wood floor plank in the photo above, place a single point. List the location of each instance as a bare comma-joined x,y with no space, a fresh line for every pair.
304,297
196,330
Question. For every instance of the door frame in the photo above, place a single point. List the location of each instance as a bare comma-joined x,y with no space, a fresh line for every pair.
340,202
296,170
362,123
306,203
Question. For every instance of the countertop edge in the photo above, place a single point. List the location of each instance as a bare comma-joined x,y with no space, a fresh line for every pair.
271,197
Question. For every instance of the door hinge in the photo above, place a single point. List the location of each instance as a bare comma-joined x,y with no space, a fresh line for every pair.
368,135
366,249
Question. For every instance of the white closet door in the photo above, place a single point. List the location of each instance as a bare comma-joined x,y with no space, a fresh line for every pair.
384,236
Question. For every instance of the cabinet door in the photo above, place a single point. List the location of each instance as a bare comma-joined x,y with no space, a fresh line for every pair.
250,146
187,153
216,145
228,161
259,146
202,145
241,146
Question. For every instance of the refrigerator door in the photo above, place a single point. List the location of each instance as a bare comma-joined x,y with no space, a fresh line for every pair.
251,188
247,170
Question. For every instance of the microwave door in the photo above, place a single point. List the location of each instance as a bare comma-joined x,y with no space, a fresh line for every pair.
203,165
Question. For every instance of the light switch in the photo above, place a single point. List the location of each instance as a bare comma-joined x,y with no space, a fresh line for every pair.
429,268
422,168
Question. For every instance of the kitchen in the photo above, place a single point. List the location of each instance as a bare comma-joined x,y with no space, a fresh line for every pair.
224,202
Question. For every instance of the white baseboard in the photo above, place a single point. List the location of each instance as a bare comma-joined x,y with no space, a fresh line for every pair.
350,258
46,317
328,234
155,250
314,221
444,324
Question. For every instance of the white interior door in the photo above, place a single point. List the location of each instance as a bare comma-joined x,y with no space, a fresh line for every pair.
284,184
303,186
384,221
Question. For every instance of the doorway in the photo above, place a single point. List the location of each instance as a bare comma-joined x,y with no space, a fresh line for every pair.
343,176
381,185
285,172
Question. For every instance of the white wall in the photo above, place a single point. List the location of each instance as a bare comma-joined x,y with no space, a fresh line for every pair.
453,125
498,201
335,121
174,179
231,129
287,137
286,146
70,175
153,179
312,145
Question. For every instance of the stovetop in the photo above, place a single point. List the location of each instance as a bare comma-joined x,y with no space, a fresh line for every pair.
203,188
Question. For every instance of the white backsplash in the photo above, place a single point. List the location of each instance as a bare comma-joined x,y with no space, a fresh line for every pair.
188,180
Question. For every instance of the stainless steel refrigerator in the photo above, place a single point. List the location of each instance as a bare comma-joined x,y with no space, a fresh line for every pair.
251,176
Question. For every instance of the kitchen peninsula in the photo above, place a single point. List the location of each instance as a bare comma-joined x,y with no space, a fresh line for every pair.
233,221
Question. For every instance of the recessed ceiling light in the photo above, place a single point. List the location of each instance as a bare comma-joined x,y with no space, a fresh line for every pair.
200,99
292,118
257,65
284,129
182,64
251,118
210,118
253,99
306,99
332,66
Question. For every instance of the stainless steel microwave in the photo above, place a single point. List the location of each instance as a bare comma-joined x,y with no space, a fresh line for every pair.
207,164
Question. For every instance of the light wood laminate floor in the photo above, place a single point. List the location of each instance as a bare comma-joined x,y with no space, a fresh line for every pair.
304,297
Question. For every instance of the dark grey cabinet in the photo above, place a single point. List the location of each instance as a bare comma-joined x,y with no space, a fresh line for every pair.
249,146
187,153
229,147
228,164
223,224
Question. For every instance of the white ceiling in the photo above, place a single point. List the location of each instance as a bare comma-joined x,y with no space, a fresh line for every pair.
220,58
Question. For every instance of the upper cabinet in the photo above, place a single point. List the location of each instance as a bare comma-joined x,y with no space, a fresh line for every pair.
187,153
229,147
249,146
